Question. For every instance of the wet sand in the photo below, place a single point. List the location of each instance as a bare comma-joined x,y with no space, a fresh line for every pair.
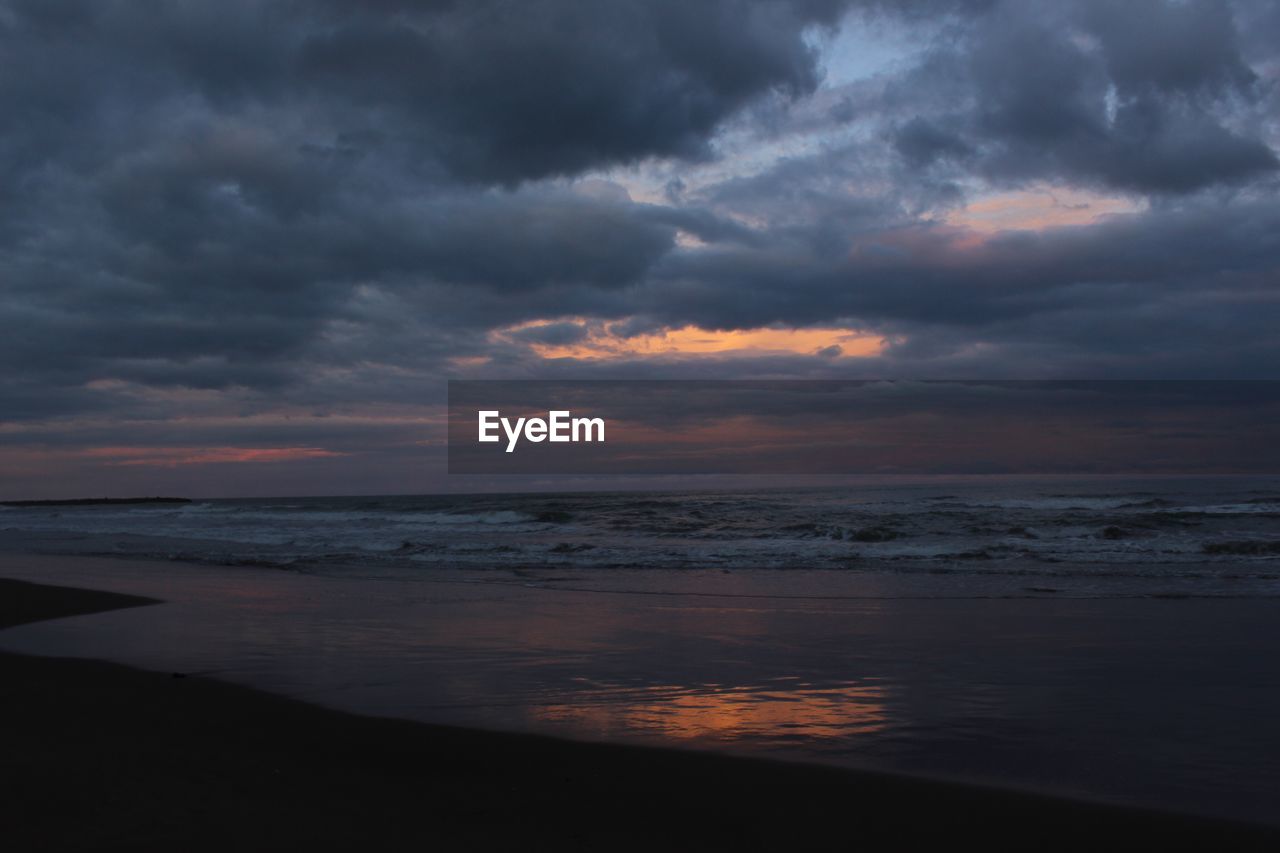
100,755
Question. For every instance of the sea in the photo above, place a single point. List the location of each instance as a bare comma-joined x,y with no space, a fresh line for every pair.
1098,638
969,538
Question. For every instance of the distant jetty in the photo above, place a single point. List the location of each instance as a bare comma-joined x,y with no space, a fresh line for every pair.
98,501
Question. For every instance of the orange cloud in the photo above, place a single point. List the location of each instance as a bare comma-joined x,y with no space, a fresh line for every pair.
170,457
601,342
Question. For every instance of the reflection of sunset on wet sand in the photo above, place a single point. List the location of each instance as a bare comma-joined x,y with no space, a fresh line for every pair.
784,709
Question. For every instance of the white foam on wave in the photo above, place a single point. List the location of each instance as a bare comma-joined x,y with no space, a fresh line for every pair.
1236,509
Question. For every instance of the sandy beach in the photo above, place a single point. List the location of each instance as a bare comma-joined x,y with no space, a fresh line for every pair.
106,756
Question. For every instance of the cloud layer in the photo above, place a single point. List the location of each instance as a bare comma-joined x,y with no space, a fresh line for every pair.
287,212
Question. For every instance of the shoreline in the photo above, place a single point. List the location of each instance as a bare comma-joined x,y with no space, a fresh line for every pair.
104,755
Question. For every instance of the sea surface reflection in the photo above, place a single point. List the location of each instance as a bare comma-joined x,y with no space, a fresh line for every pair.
784,710
1159,702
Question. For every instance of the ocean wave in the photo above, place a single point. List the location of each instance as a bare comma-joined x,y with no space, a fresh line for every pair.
1168,532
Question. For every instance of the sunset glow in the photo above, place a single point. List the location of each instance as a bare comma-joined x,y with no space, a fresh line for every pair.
601,342
173,456
733,713
1039,209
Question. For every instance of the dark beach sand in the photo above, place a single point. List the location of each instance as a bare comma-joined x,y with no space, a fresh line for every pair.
103,756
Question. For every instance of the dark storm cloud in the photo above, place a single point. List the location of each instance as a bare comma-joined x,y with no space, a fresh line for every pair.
491,91
1143,97
1184,47
199,192
555,334
1188,288
512,91
326,203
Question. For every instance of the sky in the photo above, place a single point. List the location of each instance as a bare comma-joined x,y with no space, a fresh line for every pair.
244,243
788,428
